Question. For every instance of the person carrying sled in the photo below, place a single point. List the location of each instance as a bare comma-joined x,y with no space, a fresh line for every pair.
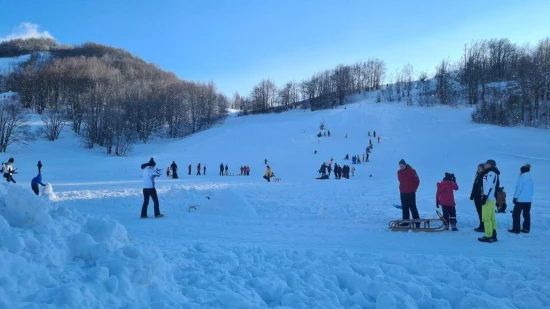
490,184
523,196
149,190
477,194
268,174
408,184
445,198
174,168
8,170
35,182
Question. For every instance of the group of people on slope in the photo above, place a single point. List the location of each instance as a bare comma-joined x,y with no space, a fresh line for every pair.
484,195
8,171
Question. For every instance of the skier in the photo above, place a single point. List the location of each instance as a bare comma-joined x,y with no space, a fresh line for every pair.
8,171
189,169
39,167
198,169
174,168
268,174
221,169
445,198
523,196
408,184
477,193
35,182
149,191
490,183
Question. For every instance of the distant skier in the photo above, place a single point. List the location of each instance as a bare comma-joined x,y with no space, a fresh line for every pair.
149,190
174,168
8,170
35,182
445,198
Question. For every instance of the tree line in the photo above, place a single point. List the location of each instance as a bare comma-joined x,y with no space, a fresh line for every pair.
111,98
326,89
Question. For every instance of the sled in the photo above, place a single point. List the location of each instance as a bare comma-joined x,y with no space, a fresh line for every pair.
397,206
193,208
425,225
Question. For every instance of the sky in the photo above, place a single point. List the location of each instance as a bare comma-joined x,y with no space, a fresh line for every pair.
237,43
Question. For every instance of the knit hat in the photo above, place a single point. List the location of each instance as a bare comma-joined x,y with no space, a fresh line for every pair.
11,160
526,168
491,162
152,162
402,162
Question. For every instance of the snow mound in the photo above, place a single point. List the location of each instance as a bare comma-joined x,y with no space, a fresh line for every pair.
53,257
48,192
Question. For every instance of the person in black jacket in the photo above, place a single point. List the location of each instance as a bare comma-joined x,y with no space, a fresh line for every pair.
174,168
477,194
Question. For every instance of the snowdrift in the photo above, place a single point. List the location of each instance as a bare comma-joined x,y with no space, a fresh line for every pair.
53,257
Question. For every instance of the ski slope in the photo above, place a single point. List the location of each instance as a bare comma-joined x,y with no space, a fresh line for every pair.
298,243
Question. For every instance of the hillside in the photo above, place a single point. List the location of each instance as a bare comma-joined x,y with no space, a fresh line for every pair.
298,243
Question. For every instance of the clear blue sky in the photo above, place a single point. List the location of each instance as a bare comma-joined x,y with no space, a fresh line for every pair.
236,43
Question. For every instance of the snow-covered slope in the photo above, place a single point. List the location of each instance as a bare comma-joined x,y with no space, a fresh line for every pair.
7,64
298,243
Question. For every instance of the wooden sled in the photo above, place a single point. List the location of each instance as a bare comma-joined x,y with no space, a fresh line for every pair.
425,225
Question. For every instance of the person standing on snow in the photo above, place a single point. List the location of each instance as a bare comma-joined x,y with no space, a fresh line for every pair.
149,190
445,198
9,171
189,169
221,169
174,168
39,167
408,184
523,196
198,169
477,194
226,170
35,182
268,174
490,184
204,169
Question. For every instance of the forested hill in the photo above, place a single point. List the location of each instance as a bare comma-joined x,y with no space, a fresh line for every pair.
110,97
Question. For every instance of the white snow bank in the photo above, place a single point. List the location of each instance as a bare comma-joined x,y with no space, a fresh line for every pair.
56,258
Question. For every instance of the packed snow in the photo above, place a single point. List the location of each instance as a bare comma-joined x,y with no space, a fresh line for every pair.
297,243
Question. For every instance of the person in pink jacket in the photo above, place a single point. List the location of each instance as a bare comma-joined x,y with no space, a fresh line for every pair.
446,199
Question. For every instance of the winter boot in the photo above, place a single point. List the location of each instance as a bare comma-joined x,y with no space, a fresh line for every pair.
513,231
480,228
159,216
524,231
144,217
485,239
494,238
454,228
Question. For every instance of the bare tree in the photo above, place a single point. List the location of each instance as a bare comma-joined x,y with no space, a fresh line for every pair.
13,123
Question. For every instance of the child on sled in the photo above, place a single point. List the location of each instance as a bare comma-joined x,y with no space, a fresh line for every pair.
444,197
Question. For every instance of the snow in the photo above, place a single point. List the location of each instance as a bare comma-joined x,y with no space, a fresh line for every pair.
297,243
6,64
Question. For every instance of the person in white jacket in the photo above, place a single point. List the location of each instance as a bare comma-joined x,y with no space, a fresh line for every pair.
149,191
490,184
523,196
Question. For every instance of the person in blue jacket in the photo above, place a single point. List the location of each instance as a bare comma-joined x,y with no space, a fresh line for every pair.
523,196
35,182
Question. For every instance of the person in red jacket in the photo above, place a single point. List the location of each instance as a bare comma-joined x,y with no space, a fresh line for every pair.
446,199
408,184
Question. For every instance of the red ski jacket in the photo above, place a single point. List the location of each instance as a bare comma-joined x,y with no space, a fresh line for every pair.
445,195
408,180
